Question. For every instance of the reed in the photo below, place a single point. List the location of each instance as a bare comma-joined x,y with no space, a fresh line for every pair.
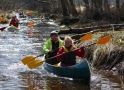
105,56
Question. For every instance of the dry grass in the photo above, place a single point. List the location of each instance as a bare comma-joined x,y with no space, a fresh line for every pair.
6,15
108,55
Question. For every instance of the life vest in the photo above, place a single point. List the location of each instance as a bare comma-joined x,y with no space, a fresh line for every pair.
69,58
66,50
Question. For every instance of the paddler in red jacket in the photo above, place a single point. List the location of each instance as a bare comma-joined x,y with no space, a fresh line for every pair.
14,22
69,59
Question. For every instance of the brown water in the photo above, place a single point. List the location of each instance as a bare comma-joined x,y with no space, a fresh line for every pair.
15,76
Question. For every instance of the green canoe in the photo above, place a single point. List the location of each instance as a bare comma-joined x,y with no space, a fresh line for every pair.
78,71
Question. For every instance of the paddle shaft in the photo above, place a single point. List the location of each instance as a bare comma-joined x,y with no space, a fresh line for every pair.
62,54
90,45
43,54
40,55
69,52
88,35
3,28
101,41
36,63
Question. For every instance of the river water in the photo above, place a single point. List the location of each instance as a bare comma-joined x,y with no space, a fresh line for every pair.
15,76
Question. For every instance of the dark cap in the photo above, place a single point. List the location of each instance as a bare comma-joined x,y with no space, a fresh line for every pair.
54,33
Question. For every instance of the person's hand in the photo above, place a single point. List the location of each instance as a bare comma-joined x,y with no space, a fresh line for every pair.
63,54
56,50
82,49
51,51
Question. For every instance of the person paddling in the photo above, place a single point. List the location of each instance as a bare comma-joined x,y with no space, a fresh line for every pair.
14,21
69,59
51,47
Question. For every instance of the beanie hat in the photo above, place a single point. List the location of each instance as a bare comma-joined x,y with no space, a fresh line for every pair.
53,33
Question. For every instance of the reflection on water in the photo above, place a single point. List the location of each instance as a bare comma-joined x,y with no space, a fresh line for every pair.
39,82
15,76
107,80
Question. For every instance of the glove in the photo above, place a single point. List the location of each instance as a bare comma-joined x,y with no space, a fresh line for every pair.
51,51
82,49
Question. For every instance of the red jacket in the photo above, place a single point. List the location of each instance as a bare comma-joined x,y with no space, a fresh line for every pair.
78,52
14,22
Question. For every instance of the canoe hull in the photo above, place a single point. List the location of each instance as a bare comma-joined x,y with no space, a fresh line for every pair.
79,71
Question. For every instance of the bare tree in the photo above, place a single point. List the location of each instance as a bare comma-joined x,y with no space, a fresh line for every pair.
87,8
97,9
72,8
106,9
117,4
64,8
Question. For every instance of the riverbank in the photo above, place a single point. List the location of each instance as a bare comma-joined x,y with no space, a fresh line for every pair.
107,56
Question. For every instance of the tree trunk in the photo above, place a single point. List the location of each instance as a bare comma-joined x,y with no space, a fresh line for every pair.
118,10
117,4
88,29
68,6
98,11
83,30
79,7
87,9
53,6
64,8
107,10
72,8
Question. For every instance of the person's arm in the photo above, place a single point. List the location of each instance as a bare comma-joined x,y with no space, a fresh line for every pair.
60,51
18,21
10,23
80,52
45,48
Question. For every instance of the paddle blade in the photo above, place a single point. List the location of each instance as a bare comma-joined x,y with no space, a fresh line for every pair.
3,28
35,64
104,40
31,25
86,37
28,59
57,65
29,14
2,19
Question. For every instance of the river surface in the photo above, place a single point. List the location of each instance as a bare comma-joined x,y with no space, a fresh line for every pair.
15,76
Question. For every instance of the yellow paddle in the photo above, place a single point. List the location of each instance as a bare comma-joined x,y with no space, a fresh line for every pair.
37,63
28,59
